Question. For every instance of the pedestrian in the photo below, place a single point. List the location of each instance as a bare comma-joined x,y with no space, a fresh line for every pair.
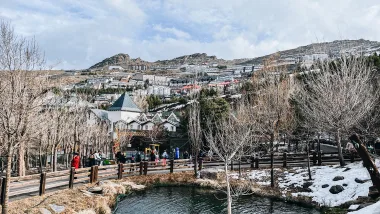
185,155
97,158
138,157
157,158
133,159
164,157
152,155
75,161
92,159
100,158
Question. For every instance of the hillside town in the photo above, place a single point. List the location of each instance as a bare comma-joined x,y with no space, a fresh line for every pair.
113,107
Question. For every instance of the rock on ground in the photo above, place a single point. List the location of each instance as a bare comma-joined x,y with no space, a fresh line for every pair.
56,208
212,174
336,189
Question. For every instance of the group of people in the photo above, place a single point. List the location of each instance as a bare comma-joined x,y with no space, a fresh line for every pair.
95,158
154,156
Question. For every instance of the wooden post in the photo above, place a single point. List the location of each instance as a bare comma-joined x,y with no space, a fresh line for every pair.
3,189
92,174
72,177
232,165
120,171
200,163
146,167
252,162
285,161
257,163
141,167
42,183
171,165
314,158
319,158
96,173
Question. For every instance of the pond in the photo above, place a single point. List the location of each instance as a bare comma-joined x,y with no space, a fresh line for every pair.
195,200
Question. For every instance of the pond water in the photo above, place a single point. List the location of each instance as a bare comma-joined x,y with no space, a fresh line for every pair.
183,200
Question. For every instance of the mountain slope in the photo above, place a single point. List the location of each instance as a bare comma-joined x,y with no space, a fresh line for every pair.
333,49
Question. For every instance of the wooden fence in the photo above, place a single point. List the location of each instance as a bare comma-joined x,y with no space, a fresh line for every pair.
68,178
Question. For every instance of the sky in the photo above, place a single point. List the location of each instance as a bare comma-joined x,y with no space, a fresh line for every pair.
77,34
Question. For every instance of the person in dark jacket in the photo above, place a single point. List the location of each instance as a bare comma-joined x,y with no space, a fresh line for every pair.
92,159
120,158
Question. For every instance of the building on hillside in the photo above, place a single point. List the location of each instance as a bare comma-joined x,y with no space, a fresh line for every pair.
112,68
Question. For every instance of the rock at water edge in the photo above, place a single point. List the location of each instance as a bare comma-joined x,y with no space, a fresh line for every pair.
338,178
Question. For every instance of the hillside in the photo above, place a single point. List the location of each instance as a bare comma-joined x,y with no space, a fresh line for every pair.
333,49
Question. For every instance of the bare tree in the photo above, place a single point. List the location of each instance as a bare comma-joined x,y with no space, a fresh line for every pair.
273,109
195,132
20,95
228,138
339,95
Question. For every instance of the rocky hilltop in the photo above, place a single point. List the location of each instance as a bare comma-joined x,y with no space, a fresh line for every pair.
120,59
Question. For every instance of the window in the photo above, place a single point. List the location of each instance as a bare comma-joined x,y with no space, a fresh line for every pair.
172,128
146,127
131,127
139,127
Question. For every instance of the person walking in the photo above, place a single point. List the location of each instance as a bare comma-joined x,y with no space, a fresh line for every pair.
92,159
185,155
164,157
97,158
75,161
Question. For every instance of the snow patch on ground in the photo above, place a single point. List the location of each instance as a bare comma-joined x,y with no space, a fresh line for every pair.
372,209
324,175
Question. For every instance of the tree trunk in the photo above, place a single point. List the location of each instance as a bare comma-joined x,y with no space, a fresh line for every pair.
196,165
308,161
229,198
40,159
4,208
21,160
340,153
27,159
54,158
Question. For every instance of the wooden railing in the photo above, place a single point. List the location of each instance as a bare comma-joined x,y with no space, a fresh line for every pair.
45,181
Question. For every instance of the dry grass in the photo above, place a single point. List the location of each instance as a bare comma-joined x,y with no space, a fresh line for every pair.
73,201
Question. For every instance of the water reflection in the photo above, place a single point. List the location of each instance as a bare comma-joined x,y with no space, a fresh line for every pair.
194,200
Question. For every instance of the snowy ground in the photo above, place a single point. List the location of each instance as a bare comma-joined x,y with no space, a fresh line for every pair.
294,179
372,209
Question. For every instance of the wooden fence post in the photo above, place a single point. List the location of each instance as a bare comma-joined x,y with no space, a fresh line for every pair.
285,161
120,171
96,173
42,183
171,165
314,158
92,174
257,163
252,162
239,168
141,167
72,177
319,158
3,189
232,165
352,157
146,167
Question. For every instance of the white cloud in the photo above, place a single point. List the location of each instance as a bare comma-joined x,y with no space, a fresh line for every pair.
178,33
81,33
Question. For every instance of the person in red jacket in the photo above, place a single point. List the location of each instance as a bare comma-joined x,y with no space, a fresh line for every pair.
76,160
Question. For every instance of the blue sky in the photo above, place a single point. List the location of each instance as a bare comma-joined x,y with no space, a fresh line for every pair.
77,34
